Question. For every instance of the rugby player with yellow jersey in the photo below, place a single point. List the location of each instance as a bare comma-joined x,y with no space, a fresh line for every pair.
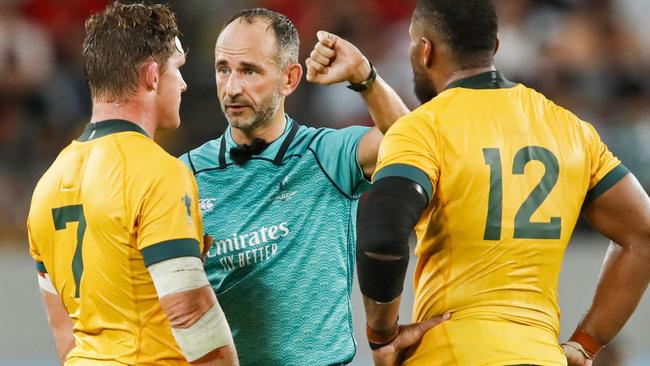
114,224
493,177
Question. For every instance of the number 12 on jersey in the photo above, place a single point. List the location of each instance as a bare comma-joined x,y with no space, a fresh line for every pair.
524,228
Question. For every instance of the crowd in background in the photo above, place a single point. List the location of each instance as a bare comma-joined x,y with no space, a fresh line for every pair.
591,56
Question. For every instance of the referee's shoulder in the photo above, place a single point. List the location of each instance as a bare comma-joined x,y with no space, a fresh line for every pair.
203,157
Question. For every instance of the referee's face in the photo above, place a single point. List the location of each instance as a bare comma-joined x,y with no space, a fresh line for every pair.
248,74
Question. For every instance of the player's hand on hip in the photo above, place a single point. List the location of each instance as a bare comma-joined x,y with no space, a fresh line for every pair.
409,335
574,356
335,60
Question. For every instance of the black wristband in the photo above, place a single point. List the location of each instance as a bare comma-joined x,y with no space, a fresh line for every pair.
359,87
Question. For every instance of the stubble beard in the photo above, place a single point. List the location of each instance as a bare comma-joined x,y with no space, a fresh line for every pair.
422,85
260,117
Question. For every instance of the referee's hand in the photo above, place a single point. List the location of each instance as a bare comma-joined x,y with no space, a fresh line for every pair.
409,336
335,60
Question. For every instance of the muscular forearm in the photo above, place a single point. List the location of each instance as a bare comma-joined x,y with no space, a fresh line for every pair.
622,214
391,210
384,105
623,281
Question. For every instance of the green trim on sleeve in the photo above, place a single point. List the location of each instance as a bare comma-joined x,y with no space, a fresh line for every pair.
40,267
408,172
611,178
170,249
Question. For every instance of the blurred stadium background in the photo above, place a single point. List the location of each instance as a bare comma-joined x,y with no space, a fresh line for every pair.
591,56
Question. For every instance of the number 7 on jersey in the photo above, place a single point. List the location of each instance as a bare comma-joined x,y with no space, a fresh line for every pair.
62,216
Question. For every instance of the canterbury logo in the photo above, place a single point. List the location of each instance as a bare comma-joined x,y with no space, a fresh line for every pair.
207,204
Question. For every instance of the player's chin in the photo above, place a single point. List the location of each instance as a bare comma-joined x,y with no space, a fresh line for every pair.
171,123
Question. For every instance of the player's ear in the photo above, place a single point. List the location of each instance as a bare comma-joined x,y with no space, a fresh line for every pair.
496,46
291,78
427,52
151,75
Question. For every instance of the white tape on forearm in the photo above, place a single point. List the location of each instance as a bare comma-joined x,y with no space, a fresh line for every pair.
210,332
45,283
178,274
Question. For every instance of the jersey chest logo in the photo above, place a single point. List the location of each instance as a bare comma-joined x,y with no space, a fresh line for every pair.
283,194
206,205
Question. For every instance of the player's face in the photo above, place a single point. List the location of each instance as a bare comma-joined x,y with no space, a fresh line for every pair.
248,74
171,86
422,84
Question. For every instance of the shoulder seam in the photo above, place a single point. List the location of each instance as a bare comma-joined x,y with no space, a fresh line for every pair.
189,159
124,168
320,130
320,166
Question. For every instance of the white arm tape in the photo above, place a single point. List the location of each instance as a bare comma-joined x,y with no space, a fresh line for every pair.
177,275
45,283
210,332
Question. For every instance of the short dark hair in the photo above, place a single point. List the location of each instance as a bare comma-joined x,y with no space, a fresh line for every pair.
119,39
468,26
283,28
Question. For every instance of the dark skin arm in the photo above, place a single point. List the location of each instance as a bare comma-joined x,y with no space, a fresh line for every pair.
382,317
623,215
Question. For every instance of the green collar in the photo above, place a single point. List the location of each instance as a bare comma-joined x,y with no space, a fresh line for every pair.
275,152
107,127
485,80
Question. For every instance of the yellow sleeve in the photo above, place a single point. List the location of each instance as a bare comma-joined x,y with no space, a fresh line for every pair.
167,217
33,251
605,168
409,150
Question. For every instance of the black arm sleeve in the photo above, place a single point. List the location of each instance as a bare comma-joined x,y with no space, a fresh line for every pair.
386,219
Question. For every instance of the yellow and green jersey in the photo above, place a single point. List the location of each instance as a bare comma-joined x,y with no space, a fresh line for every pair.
112,203
507,173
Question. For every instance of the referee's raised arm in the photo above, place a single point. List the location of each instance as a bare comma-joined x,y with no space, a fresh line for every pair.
334,60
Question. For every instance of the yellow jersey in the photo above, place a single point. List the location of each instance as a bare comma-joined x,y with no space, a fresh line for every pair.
112,203
507,173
